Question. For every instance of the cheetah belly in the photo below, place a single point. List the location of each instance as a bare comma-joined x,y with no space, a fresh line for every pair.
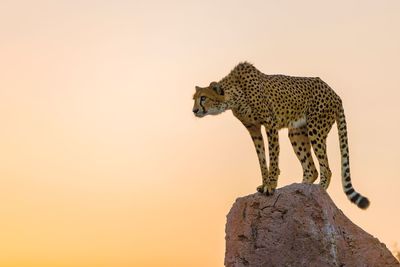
298,123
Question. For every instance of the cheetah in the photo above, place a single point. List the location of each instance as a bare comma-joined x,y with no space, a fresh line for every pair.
308,107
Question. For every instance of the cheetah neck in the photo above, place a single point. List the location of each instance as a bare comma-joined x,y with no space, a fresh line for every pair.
231,94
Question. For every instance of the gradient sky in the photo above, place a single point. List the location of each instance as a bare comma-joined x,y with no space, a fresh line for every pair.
102,161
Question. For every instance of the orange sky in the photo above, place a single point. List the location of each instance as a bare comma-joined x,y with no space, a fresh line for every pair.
102,161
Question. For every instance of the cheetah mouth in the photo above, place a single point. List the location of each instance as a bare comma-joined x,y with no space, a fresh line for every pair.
200,115
203,113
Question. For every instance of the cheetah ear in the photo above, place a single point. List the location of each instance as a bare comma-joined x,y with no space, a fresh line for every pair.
217,88
197,88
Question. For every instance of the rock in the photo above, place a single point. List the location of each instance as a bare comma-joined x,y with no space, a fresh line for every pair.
298,226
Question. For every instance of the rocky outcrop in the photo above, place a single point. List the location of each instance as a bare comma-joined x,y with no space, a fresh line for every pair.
298,226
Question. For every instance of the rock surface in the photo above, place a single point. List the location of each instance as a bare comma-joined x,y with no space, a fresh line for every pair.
298,226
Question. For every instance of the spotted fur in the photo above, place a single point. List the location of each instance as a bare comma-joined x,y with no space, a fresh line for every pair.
308,107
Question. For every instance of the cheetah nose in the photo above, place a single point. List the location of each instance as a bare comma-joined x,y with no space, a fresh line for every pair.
195,110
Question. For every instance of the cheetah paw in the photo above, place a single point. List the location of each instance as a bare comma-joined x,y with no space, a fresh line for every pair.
266,189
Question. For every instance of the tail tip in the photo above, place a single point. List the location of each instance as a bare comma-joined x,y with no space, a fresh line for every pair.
363,203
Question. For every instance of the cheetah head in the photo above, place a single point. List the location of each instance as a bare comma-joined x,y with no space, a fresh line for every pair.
209,100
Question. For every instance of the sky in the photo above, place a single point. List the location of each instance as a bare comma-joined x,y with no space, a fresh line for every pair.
102,160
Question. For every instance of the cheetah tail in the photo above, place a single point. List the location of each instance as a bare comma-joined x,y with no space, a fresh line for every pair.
361,201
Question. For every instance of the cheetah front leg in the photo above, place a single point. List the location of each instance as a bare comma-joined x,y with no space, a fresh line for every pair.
256,136
273,149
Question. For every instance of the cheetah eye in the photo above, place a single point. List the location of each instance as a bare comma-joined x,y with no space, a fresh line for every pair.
202,98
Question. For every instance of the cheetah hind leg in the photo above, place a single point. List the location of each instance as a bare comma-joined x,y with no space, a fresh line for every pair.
302,148
319,148
317,136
